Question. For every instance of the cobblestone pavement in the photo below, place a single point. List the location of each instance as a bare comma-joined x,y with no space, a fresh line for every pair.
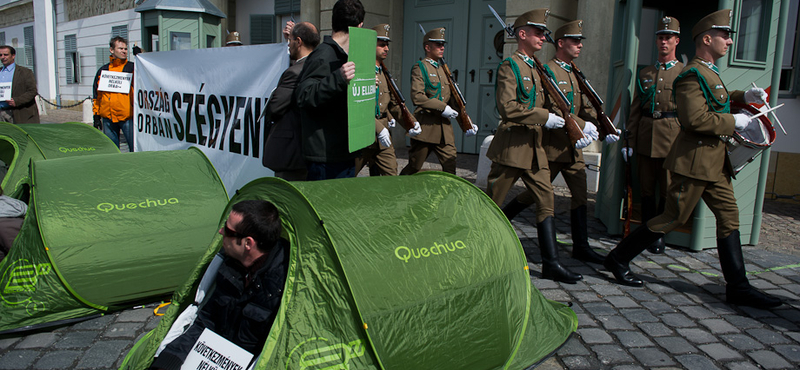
678,320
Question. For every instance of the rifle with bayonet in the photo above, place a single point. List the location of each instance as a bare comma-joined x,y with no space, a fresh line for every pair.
461,105
407,120
604,124
574,131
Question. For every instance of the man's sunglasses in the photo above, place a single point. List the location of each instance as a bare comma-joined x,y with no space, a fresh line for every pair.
231,233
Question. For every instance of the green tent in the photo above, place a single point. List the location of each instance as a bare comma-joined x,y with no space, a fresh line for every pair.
108,231
409,272
21,143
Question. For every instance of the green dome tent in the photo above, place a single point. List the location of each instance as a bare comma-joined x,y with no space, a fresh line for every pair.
409,272
21,143
105,232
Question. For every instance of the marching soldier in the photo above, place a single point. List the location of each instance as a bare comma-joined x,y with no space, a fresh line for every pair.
380,155
699,166
430,93
516,150
653,122
564,157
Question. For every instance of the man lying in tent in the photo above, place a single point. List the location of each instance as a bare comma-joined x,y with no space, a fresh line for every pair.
12,213
249,284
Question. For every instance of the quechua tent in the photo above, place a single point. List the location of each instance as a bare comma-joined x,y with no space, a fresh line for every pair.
21,143
409,272
105,232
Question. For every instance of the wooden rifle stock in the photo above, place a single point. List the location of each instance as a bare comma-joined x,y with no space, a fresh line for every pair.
574,131
407,120
604,124
461,106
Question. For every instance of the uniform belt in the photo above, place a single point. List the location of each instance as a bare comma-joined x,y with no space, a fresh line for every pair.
657,115
381,116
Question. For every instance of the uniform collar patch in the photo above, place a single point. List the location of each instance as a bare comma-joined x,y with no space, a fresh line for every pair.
564,65
667,65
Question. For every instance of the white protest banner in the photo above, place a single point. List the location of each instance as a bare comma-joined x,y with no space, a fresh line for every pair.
119,82
212,351
212,99
5,91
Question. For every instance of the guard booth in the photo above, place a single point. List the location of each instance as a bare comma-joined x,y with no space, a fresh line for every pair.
180,24
753,58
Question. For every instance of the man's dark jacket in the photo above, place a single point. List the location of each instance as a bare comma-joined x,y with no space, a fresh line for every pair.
282,147
321,97
23,91
241,315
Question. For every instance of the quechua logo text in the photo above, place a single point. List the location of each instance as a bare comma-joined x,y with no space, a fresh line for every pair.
147,203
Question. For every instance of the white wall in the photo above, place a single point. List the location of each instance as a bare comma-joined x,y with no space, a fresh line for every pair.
90,33
243,10
16,32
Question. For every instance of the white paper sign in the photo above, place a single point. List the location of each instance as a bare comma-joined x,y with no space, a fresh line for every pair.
119,82
5,91
213,352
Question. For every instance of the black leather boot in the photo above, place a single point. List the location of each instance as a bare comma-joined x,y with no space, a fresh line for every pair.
648,212
581,250
738,290
551,268
513,208
618,259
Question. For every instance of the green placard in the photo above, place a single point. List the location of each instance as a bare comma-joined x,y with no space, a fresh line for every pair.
361,90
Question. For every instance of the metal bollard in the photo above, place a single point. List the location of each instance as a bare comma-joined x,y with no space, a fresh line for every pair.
484,164
88,114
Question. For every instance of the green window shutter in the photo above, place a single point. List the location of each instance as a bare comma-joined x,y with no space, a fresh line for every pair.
70,48
2,38
283,7
29,60
101,56
262,29
121,31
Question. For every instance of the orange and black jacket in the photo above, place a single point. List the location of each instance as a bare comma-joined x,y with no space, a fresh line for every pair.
117,107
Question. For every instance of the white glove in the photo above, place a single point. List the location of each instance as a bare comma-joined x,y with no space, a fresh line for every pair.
613,138
449,112
627,153
384,138
392,123
554,121
756,95
742,120
415,131
590,130
582,143
472,131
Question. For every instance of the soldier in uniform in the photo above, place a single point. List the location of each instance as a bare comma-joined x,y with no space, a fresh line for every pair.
380,155
516,150
699,167
653,122
430,92
564,157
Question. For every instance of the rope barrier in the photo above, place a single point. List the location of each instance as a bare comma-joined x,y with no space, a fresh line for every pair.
64,106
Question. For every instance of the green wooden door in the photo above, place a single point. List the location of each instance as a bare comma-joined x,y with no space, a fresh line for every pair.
469,53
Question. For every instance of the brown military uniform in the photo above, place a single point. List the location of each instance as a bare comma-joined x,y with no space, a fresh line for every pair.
562,155
437,133
382,157
653,124
698,160
516,150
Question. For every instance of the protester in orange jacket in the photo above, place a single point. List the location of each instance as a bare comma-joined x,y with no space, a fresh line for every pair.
114,110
